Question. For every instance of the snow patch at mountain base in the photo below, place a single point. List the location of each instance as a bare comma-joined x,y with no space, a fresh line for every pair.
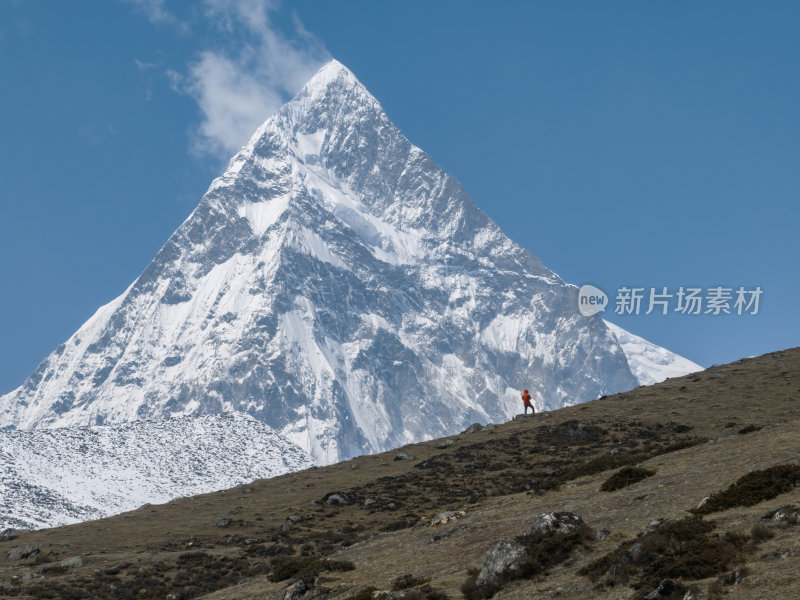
52,477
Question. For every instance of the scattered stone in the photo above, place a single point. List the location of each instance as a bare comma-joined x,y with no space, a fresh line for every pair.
286,527
665,589
563,522
651,526
247,491
403,456
370,502
504,557
446,517
336,499
295,591
473,428
490,427
715,376
295,518
251,541
391,506
784,515
72,563
603,534
222,523
22,552
235,511
445,444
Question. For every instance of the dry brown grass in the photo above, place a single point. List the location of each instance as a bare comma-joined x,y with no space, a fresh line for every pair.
500,478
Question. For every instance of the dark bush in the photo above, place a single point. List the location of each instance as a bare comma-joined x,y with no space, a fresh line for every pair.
753,488
685,549
305,567
625,477
407,581
749,429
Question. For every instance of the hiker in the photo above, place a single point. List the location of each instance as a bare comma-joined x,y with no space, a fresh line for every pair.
526,401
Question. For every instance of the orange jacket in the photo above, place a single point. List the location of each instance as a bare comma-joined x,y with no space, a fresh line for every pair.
526,398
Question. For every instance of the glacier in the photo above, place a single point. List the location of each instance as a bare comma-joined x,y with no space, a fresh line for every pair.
337,285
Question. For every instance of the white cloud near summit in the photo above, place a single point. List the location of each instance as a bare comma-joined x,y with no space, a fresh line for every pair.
252,70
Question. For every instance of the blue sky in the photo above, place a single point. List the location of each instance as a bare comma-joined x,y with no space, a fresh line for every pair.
624,143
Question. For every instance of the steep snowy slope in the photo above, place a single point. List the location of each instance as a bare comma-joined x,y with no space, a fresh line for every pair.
651,363
337,285
58,476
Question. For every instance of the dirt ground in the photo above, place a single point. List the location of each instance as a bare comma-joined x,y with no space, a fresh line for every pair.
685,429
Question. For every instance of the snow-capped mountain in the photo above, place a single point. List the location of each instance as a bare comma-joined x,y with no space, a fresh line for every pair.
650,363
51,477
337,285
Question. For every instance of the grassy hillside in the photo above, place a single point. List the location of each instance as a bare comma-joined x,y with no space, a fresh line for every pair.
700,462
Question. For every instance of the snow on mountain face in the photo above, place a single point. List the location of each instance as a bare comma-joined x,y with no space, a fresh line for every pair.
337,285
650,363
51,477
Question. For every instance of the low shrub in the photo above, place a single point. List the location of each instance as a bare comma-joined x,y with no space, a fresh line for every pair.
685,549
625,477
407,581
749,429
753,488
305,567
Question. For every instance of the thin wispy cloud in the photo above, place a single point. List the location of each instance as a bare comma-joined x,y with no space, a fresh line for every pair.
155,11
246,73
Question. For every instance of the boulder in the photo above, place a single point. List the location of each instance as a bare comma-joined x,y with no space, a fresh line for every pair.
446,517
336,499
403,456
665,589
503,558
602,534
11,534
72,563
222,523
563,522
22,552
445,444
295,591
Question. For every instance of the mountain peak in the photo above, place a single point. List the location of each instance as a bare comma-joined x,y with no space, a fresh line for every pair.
332,72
